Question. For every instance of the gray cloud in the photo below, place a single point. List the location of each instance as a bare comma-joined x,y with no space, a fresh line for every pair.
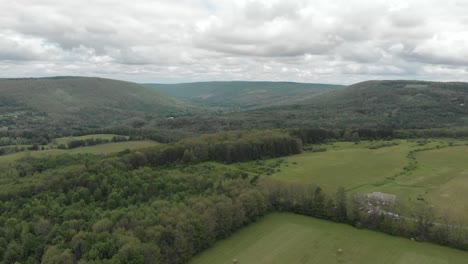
341,41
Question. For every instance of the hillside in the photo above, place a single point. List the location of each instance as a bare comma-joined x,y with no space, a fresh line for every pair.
397,104
78,102
241,95
54,105
370,104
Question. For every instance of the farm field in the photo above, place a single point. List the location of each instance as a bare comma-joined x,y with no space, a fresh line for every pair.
444,172
346,165
97,149
66,140
288,238
438,176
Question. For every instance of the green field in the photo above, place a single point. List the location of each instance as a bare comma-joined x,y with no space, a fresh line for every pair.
345,164
444,172
288,238
97,149
440,175
66,140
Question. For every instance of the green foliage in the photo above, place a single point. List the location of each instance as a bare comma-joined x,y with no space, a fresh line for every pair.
232,96
91,208
378,145
373,104
49,106
228,147
341,205
54,255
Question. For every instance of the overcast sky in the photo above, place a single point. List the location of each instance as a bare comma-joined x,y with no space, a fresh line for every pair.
339,41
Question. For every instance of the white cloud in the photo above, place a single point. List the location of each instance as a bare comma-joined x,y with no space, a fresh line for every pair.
448,48
340,41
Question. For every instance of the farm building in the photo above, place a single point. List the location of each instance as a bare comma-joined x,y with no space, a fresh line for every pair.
382,198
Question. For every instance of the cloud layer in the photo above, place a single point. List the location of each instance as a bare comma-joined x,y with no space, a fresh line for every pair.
343,41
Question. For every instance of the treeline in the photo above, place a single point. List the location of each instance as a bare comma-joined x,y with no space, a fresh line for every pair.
9,140
433,133
320,135
228,147
155,134
307,135
95,141
44,136
307,200
30,165
12,149
310,200
421,225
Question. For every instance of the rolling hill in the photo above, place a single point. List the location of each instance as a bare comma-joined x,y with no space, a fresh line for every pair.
370,104
79,102
242,95
82,104
397,104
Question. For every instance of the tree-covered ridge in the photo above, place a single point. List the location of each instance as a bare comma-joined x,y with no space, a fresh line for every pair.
38,109
241,95
80,103
372,104
375,104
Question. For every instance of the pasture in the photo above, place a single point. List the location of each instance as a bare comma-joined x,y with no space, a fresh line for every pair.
66,140
437,173
107,148
444,173
344,164
293,239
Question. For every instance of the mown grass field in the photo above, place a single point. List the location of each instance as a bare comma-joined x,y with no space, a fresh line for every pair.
97,149
66,140
346,165
444,173
287,238
439,175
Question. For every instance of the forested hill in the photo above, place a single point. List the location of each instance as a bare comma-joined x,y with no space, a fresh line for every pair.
241,95
395,104
81,102
61,105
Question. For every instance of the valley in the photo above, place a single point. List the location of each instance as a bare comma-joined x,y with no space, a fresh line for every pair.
206,174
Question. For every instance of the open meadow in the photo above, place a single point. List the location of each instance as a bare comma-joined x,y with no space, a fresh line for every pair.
106,148
293,239
431,171
66,140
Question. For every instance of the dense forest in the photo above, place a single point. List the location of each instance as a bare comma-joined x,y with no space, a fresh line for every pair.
149,206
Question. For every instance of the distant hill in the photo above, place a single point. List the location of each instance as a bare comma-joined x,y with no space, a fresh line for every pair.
397,104
55,105
370,104
80,103
241,95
